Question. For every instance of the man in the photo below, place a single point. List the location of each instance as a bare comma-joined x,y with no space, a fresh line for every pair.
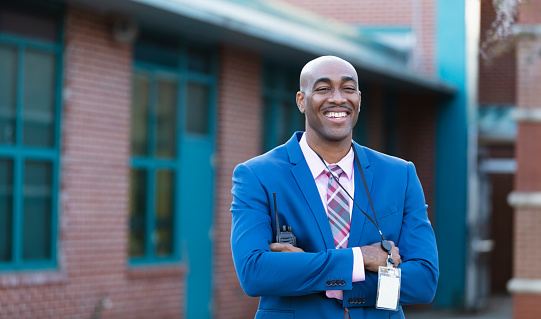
333,271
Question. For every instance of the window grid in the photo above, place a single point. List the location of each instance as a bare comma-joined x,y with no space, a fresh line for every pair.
281,116
152,165
21,155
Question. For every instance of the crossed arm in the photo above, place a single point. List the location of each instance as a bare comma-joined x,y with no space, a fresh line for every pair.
264,270
373,255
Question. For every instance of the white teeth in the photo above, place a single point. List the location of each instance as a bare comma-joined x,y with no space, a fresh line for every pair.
336,115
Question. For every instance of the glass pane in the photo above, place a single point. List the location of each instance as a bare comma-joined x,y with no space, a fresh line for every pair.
163,236
39,98
39,26
270,78
6,208
156,48
166,117
197,111
286,123
37,192
138,206
139,116
199,60
292,82
267,138
8,91
300,120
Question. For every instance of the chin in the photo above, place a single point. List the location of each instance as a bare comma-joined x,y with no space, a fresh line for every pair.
339,137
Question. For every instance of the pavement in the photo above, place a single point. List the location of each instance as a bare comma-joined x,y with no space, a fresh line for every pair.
498,307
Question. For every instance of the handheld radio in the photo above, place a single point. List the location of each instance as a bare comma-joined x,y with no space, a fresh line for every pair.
284,236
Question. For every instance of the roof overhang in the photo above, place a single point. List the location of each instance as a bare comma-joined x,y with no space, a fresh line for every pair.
273,35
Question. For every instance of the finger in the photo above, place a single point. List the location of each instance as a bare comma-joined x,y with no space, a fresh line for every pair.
284,248
276,247
397,259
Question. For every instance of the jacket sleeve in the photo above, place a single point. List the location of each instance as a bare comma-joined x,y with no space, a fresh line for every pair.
417,244
265,273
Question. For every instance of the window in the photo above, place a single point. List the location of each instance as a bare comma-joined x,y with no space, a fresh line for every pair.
281,117
30,82
172,89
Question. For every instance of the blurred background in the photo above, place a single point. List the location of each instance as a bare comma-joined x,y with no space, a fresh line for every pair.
121,122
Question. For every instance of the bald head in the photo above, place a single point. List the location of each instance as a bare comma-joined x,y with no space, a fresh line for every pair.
316,69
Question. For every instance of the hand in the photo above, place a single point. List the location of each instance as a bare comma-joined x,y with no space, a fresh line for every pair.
285,248
374,256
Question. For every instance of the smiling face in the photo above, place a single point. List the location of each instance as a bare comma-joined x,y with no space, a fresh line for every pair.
330,99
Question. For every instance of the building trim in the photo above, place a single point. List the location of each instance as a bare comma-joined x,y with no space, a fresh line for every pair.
527,114
524,285
498,165
524,199
527,30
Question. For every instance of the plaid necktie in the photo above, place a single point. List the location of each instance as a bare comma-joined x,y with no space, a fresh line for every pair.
338,210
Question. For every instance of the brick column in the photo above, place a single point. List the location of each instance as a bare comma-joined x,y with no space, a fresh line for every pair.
239,138
526,197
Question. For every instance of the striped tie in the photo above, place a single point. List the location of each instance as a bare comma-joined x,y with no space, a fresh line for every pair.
338,210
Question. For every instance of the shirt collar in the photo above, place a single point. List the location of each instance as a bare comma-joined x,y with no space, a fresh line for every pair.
316,165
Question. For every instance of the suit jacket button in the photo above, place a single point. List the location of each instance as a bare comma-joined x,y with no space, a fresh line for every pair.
342,283
350,300
328,283
362,300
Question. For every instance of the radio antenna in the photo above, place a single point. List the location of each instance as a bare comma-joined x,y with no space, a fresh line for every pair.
276,215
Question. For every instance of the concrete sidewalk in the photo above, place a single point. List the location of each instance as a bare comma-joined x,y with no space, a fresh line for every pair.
499,307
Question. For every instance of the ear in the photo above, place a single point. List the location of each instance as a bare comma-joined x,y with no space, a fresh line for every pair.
360,101
300,101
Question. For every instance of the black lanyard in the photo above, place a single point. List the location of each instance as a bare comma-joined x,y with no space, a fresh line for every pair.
385,245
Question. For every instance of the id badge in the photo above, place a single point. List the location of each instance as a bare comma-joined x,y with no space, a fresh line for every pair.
388,288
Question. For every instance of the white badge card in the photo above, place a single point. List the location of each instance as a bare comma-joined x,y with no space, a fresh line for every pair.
388,288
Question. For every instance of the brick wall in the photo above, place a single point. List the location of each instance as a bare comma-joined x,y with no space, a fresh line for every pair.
417,117
93,230
240,114
419,15
527,230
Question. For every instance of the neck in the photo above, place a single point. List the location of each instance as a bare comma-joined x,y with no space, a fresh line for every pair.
331,152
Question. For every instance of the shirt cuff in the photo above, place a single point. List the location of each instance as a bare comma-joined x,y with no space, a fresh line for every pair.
358,265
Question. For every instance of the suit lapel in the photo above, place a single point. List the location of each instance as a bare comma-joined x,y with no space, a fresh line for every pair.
305,182
358,219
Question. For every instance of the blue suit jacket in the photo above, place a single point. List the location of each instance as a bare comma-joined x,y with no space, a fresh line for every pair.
292,285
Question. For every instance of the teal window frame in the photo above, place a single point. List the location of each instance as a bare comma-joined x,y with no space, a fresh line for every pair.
19,153
183,76
281,116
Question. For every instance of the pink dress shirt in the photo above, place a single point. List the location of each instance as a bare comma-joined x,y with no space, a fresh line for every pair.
318,170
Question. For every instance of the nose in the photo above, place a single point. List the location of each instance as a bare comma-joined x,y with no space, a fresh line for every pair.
336,97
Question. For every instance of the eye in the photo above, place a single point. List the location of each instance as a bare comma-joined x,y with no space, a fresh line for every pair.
322,89
350,89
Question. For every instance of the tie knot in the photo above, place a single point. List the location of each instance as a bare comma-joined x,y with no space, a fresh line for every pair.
336,170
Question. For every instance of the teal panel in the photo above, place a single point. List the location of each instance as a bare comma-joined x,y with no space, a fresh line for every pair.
196,205
451,158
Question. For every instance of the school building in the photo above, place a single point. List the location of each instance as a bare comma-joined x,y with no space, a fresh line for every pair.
121,123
